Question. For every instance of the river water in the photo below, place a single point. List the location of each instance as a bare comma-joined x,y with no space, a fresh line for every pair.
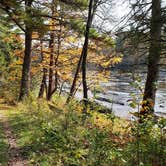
116,93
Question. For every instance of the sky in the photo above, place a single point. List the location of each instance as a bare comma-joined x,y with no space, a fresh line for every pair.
121,8
116,13
113,14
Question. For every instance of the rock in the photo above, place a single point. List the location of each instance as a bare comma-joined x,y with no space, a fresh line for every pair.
109,101
161,106
104,99
160,114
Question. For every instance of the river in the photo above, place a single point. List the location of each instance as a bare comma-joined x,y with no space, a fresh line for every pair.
116,93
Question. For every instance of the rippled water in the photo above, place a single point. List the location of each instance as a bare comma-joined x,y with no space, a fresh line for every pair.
117,93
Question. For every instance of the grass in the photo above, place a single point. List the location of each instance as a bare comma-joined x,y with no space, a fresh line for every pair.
3,147
4,157
34,124
51,134
26,130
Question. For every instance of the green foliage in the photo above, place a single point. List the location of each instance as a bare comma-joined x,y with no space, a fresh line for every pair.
3,147
81,4
5,46
9,71
148,132
56,134
61,137
35,22
79,26
148,145
94,33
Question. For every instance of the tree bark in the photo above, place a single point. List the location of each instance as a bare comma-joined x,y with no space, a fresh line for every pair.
83,58
51,46
85,51
25,80
43,85
72,89
57,57
51,65
153,58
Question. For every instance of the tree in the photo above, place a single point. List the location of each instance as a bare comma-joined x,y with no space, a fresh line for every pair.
52,49
85,50
25,80
43,85
145,38
27,18
153,57
82,61
58,22
62,51
10,49
12,8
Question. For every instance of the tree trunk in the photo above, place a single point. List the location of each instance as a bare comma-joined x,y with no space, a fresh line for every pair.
43,85
82,58
57,57
85,51
153,58
72,89
51,65
51,46
25,80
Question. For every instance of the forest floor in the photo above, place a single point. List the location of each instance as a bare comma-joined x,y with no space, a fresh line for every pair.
10,153
41,133
25,132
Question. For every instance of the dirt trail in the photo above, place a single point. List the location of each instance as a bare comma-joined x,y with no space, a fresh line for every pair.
15,158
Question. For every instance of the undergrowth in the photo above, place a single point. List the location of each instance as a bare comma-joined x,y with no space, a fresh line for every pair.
3,147
52,134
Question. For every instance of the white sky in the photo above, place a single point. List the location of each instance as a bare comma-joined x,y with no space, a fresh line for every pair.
119,10
113,13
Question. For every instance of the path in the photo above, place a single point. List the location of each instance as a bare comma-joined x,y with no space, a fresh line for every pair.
14,153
